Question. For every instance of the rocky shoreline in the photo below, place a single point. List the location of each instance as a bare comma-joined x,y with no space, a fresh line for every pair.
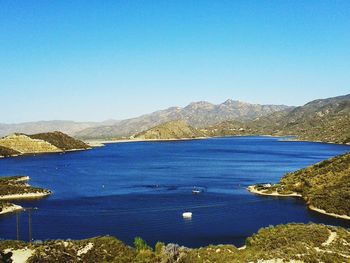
311,207
101,143
33,195
17,188
10,208
253,189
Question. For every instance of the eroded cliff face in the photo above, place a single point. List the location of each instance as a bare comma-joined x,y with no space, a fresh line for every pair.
24,144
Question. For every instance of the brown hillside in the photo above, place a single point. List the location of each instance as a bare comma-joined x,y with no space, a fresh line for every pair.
60,140
170,130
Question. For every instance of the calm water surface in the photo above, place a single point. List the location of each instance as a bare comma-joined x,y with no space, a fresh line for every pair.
142,189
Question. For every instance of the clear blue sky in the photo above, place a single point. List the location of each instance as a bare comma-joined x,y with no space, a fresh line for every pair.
95,60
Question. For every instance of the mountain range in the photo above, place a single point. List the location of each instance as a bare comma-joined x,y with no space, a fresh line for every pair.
196,114
325,120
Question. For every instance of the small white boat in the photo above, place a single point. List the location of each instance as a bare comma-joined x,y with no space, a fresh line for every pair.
196,191
187,215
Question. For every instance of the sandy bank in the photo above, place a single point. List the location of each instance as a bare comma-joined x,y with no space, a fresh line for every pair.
75,150
94,144
253,189
16,179
20,255
311,207
25,196
102,142
22,179
12,155
10,209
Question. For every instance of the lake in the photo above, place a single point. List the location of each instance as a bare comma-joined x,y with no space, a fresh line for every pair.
142,189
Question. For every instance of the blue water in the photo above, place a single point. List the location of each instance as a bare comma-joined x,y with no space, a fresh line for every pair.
142,189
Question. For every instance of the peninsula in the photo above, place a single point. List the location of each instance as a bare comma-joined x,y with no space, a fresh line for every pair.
15,188
51,142
324,186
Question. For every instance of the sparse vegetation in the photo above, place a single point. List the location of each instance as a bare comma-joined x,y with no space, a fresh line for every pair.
51,142
17,185
25,145
60,140
141,244
324,120
100,249
325,185
170,130
305,242
7,152
11,186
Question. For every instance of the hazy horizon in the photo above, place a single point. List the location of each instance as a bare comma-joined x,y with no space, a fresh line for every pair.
145,113
94,61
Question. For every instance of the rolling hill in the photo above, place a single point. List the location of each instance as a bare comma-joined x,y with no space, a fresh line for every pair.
17,144
24,144
60,140
169,131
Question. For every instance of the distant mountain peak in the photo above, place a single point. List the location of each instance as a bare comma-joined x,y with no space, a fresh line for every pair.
201,102
231,102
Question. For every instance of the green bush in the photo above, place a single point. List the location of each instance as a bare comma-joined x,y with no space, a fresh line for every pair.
159,248
141,244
